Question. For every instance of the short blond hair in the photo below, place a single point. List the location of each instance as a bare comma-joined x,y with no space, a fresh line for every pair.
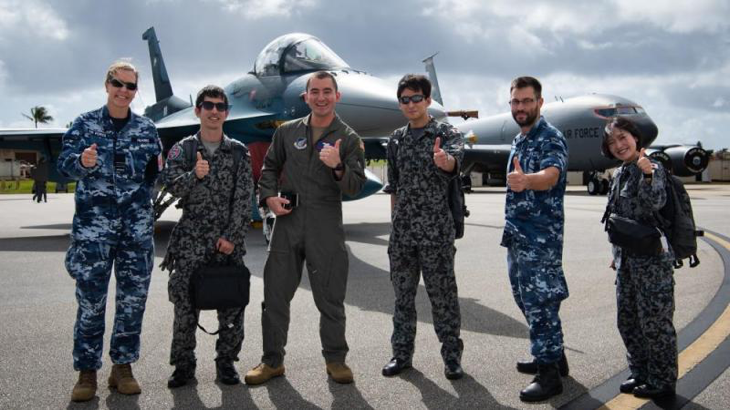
120,65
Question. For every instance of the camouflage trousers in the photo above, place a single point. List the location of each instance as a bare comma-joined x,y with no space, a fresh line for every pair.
538,287
437,266
90,264
185,323
645,304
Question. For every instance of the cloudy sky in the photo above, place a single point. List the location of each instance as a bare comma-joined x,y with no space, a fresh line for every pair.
672,56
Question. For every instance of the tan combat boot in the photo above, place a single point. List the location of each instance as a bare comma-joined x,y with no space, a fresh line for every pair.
263,373
339,372
122,378
85,388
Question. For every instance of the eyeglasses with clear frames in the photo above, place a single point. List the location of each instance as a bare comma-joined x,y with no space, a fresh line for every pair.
525,101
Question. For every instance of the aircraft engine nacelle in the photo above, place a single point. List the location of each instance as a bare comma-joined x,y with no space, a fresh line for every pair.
661,157
687,161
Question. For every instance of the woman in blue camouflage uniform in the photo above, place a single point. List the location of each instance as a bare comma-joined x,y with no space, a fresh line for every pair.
644,284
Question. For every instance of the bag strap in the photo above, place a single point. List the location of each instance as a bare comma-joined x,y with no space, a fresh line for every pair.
393,148
229,325
611,205
190,147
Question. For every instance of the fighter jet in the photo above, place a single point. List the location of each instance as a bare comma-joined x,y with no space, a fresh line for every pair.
266,96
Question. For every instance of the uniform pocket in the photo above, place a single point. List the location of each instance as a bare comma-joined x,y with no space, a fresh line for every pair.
140,154
543,279
83,258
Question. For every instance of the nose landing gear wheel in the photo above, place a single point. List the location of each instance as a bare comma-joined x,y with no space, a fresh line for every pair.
593,186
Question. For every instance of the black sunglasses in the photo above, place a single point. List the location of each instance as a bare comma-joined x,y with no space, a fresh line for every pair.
208,105
415,98
119,84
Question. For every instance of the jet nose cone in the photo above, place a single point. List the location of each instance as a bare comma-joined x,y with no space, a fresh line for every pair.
648,129
368,104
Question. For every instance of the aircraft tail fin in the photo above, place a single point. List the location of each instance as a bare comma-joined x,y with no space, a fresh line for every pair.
163,87
431,70
166,103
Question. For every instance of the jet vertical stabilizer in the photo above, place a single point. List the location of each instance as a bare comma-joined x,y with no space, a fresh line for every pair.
435,88
166,103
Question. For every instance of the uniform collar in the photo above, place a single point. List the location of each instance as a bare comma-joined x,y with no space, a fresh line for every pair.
534,131
105,114
334,125
225,141
430,127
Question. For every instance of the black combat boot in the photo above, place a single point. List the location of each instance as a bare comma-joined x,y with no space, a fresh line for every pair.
453,371
649,392
226,372
396,366
180,377
545,385
531,366
630,384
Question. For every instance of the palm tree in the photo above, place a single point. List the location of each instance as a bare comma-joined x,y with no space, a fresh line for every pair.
38,114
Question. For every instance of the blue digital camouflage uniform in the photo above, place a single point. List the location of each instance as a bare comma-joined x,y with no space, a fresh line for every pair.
645,284
533,236
422,237
112,225
216,206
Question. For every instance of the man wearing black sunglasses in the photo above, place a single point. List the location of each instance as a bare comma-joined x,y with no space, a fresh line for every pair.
114,154
423,157
211,174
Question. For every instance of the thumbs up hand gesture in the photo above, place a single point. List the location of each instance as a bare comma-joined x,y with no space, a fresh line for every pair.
88,157
644,163
201,167
517,180
331,155
440,157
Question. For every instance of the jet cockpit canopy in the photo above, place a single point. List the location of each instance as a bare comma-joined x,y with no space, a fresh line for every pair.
296,52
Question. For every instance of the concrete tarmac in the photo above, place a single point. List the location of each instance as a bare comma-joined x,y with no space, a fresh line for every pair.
38,309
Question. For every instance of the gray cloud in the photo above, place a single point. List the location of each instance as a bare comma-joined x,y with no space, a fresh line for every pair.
672,57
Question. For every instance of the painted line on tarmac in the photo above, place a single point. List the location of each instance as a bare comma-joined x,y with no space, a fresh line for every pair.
706,337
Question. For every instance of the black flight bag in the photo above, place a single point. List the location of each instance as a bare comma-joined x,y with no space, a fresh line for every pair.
220,287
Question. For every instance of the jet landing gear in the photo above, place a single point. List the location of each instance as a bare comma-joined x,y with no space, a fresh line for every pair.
597,183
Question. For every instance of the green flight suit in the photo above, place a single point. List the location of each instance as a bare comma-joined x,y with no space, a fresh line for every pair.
312,232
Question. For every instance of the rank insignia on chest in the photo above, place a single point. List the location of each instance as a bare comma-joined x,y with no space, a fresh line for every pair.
300,143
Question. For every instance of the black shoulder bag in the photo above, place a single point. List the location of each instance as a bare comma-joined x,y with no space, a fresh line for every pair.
632,236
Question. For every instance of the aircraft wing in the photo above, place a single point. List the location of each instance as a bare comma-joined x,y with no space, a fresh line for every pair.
187,118
29,134
245,123
494,157
44,140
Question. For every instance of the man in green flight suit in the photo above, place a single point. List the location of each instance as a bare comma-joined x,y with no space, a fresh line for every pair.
310,164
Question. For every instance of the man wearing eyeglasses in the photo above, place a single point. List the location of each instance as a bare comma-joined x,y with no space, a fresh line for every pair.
211,174
533,236
311,163
114,154
423,157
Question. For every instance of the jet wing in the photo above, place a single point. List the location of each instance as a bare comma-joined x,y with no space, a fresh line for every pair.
245,123
187,118
29,134
494,157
